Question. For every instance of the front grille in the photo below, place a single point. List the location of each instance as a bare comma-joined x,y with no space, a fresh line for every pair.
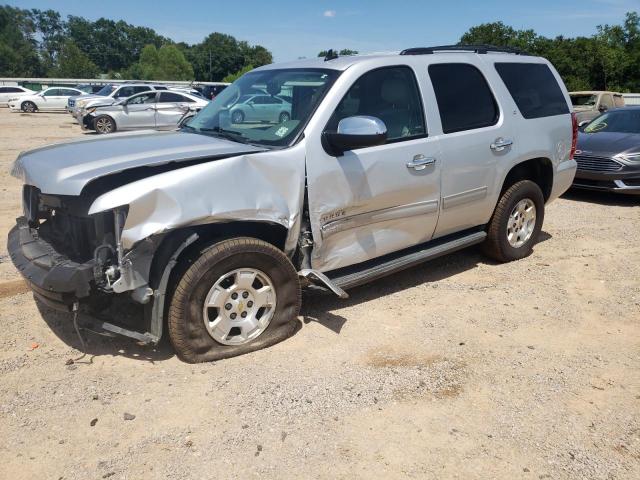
72,103
597,164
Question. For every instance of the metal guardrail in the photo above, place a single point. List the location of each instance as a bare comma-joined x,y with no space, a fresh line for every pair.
60,82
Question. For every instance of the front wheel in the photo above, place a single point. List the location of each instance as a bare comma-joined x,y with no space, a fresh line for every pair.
238,296
29,107
516,222
237,117
104,124
284,117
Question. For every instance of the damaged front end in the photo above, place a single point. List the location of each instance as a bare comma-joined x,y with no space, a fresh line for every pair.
66,254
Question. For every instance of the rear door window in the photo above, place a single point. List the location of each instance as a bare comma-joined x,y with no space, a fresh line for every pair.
171,97
533,88
464,98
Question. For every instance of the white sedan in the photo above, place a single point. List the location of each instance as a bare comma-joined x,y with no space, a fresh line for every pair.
7,93
54,98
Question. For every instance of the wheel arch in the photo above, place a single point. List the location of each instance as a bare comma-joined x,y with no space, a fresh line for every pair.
206,234
115,124
538,170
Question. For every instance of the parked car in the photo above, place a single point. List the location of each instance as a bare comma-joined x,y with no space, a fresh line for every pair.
589,104
53,98
13,92
386,161
90,88
109,95
261,108
212,90
156,110
608,153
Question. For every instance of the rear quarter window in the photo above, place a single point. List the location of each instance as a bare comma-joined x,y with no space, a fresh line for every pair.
533,88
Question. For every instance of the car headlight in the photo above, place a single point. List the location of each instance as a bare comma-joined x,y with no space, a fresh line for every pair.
81,103
628,157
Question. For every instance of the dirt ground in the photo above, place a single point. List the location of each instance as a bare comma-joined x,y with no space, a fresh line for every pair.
460,368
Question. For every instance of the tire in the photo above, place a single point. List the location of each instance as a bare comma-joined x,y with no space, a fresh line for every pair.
512,234
222,262
284,117
237,116
104,124
29,107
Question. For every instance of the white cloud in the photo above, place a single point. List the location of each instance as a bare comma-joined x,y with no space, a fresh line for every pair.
329,13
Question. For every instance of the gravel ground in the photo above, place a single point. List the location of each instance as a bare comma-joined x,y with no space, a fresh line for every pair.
460,368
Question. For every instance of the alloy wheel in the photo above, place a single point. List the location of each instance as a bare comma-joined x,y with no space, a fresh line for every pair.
521,223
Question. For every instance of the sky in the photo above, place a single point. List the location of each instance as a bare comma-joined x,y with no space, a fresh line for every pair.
293,29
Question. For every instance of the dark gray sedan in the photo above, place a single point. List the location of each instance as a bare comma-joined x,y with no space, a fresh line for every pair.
608,152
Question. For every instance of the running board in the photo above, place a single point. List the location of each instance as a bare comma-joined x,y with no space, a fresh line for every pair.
353,276
316,277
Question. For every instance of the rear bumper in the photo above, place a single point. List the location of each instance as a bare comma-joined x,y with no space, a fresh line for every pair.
564,174
55,279
626,180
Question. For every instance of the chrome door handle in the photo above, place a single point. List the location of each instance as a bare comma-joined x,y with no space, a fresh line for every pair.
420,162
500,144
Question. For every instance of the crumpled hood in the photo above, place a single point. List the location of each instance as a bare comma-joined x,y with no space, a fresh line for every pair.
66,168
608,143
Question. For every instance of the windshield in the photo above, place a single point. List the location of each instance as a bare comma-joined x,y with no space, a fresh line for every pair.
621,121
266,108
106,90
586,100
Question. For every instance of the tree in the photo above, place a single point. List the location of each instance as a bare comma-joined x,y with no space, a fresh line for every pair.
342,53
73,63
232,77
166,63
18,47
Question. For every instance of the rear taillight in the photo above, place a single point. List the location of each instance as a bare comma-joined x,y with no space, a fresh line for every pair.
574,135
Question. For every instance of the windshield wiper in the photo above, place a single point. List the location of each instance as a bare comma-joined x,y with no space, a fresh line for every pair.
228,134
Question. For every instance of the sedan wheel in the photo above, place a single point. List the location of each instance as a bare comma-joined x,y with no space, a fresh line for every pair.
104,124
29,107
237,117
284,117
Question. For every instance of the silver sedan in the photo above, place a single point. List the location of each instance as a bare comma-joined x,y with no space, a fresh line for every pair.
160,110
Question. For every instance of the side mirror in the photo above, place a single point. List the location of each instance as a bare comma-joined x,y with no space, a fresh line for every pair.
355,132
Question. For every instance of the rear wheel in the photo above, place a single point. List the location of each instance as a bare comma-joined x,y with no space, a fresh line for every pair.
29,107
104,124
238,296
516,222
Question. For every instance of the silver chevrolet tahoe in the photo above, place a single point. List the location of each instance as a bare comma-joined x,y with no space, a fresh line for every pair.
385,161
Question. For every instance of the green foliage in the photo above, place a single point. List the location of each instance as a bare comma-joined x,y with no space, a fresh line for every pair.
232,77
608,60
42,43
166,63
342,53
73,63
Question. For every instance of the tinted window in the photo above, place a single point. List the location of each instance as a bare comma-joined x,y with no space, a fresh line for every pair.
10,90
141,89
143,98
125,92
160,88
51,93
464,98
390,94
170,97
67,92
533,88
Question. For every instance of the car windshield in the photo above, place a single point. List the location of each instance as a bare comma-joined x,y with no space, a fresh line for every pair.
586,100
106,90
621,121
265,107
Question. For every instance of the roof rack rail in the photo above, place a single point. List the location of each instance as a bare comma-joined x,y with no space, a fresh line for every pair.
462,48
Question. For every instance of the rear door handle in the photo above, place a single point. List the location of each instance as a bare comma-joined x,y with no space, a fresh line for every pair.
500,144
420,162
